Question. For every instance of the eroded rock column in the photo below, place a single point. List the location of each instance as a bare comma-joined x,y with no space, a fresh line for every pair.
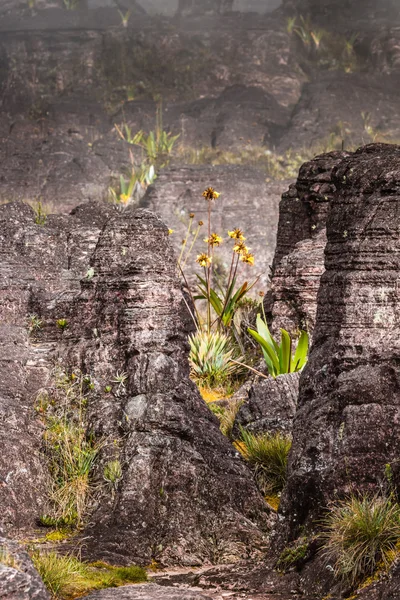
348,421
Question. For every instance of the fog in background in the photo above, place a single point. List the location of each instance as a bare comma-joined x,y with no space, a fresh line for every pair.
241,84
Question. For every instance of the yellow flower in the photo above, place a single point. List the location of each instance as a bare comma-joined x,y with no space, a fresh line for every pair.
204,260
170,231
236,234
124,198
240,248
248,258
210,194
214,240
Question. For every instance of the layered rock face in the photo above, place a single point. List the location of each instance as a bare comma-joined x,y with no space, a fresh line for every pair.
182,480
346,426
38,263
183,484
298,263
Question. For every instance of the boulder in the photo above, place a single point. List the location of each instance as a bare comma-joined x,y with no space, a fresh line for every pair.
185,496
39,262
346,426
19,579
270,406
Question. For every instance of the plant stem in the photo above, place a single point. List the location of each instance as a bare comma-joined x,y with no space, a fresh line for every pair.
250,368
209,270
227,289
198,324
184,243
192,244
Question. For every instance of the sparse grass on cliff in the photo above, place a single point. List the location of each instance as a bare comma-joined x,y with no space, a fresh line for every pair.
70,450
360,533
66,577
267,453
277,166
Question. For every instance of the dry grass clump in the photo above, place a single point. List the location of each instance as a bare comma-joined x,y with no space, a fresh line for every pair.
361,533
267,453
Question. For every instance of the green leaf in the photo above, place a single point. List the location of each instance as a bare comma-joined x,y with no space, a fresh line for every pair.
123,185
285,353
300,357
264,331
273,361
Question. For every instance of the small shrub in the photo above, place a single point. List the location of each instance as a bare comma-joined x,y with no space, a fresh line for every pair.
34,324
210,359
66,577
361,532
62,324
267,453
71,459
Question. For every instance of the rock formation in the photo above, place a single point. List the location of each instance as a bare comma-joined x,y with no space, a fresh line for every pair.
183,484
148,592
38,263
298,263
346,426
182,480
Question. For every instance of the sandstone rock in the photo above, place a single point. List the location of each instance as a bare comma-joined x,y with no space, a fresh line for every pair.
186,496
298,263
270,407
346,424
327,102
37,264
246,201
19,579
386,589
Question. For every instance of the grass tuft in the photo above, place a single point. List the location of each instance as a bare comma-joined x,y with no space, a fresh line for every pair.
66,577
360,533
267,453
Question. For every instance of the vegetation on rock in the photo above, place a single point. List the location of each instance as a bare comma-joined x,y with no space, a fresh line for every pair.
361,532
267,453
71,452
66,577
